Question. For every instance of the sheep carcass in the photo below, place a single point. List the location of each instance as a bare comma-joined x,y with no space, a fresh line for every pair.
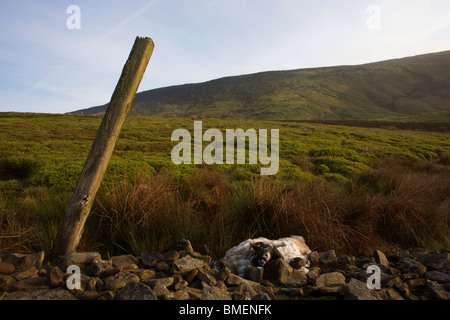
258,252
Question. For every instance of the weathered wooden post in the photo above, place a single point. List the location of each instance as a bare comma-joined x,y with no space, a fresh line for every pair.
71,229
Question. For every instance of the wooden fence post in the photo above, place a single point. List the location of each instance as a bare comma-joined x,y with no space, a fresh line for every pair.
71,229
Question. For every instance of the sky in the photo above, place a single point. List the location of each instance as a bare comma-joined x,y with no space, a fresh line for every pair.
55,60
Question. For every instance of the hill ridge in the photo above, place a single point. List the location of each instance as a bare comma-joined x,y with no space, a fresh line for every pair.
395,87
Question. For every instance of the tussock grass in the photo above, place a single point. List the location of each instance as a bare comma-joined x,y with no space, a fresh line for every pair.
393,203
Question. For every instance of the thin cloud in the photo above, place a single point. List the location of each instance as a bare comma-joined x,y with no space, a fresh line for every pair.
49,68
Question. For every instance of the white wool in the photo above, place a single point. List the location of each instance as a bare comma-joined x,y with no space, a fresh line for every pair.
290,247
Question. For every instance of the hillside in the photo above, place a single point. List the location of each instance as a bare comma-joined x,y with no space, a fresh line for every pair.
408,86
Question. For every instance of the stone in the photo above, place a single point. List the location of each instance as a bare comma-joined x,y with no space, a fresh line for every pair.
364,262
80,259
213,293
120,280
91,284
99,284
392,282
314,258
204,276
414,283
243,292
194,294
380,258
43,272
327,257
298,262
170,256
409,276
254,273
249,288
332,278
221,285
41,294
125,262
233,280
5,281
394,271
55,277
13,258
357,290
332,289
206,259
313,274
439,277
347,259
103,268
29,284
86,295
408,265
27,273
6,268
223,274
149,259
277,271
297,279
190,275
198,284
135,291
435,260
359,274
294,293
392,294
106,295
161,266
261,296
161,292
403,289
181,245
24,261
144,274
181,295
187,263
426,295
178,283
182,275
166,282
385,278
395,256
437,290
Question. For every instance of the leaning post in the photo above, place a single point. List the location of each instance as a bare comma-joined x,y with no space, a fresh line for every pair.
71,228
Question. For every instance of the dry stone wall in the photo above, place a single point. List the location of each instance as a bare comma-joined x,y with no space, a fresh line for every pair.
414,274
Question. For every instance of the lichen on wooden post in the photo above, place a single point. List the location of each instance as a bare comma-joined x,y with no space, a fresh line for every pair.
71,229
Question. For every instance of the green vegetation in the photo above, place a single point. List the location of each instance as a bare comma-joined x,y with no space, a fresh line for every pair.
408,86
430,117
349,188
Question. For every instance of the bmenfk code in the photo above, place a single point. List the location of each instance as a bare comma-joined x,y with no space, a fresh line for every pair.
260,309
246,309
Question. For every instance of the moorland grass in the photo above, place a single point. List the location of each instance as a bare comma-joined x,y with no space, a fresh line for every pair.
347,188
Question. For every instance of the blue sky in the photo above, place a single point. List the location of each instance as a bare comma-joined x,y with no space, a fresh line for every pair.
46,67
